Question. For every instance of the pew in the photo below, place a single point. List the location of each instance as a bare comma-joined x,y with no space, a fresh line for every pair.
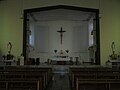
92,74
22,76
19,84
37,76
90,84
28,74
97,84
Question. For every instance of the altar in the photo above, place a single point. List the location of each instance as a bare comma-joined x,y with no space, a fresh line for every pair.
60,60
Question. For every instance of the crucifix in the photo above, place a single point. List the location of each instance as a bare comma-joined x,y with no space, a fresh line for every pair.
61,33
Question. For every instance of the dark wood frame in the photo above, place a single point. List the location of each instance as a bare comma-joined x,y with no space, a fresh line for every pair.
96,11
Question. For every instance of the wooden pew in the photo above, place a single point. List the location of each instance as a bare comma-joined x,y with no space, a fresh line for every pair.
91,74
19,84
23,73
97,84
46,70
21,76
91,71
90,84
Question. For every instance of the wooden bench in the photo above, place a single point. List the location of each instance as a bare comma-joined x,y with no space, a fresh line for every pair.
19,84
43,75
92,74
97,84
22,76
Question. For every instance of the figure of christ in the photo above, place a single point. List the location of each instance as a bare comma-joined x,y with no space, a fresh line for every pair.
61,33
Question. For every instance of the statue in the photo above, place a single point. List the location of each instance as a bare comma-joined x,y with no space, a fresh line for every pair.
9,47
9,55
113,56
113,47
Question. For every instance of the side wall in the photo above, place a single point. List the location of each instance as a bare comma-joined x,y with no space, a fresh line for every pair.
109,27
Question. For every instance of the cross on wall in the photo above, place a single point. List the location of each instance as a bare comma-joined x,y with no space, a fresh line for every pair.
61,33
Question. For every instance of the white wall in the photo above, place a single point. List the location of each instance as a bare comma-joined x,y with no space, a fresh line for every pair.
75,39
41,37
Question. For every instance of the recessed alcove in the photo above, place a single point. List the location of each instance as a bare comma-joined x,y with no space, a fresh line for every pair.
81,36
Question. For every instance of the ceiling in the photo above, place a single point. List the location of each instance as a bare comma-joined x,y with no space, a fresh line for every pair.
61,14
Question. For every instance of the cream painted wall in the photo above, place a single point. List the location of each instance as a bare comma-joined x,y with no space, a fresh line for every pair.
12,24
109,27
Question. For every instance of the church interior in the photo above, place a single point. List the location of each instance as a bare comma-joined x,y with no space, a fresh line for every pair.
59,45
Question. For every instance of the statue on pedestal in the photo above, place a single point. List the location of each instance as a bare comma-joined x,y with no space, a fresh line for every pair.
9,47
9,55
113,56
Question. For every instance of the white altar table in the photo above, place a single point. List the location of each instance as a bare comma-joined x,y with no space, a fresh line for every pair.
59,60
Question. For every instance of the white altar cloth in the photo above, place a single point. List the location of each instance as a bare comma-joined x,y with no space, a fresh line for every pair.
60,59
